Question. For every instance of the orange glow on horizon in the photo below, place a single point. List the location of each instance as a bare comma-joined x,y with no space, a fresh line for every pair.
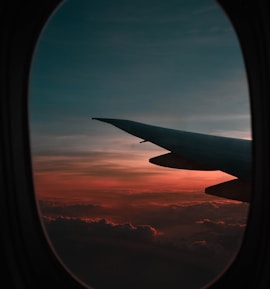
67,186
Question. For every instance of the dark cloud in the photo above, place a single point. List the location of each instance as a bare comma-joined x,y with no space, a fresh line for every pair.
227,235
155,248
101,229
107,255
156,209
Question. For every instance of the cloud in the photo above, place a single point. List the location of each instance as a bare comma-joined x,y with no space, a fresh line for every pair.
101,229
226,234
164,211
181,241
203,249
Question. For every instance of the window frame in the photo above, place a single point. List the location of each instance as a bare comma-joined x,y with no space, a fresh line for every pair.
28,258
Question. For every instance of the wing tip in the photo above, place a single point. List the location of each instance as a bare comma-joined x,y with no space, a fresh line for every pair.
101,119
114,121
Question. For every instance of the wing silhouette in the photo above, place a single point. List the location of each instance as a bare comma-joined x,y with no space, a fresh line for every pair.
196,151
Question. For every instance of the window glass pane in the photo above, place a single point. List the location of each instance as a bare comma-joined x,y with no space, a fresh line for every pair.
114,218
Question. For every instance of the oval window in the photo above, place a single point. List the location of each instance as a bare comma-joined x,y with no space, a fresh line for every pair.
175,70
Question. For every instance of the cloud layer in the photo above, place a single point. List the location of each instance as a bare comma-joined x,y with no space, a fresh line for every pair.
152,247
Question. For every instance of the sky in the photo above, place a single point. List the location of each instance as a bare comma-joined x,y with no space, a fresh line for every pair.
175,64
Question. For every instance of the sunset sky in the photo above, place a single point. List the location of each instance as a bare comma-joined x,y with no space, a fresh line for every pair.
172,63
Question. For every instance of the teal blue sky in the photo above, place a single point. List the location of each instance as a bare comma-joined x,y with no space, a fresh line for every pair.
170,63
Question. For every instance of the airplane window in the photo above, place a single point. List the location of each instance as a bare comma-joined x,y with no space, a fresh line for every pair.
113,85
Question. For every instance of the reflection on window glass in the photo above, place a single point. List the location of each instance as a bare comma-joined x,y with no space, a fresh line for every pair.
115,219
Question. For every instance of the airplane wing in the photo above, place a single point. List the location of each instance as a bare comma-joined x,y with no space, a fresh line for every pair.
196,151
